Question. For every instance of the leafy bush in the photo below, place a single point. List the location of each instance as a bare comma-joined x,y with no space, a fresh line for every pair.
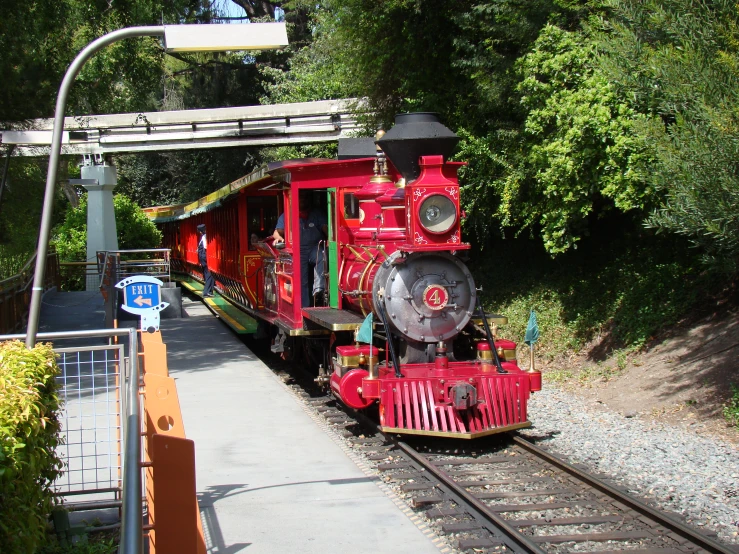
623,291
11,264
134,230
574,156
678,63
99,543
28,438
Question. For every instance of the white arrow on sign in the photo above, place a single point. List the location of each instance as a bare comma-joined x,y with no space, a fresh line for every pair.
140,301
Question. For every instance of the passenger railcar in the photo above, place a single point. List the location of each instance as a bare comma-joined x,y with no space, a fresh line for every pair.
431,362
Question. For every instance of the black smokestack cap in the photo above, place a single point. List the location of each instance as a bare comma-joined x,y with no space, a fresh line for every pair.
415,135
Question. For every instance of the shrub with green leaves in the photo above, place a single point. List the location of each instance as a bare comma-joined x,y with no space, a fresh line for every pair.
12,263
574,159
133,228
622,292
677,63
29,435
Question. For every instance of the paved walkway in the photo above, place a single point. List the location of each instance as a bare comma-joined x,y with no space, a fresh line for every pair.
72,311
269,479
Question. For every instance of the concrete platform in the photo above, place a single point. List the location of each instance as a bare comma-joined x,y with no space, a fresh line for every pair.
269,478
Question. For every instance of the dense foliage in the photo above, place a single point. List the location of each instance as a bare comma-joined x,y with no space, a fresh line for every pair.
620,292
28,438
576,153
39,39
133,228
550,143
678,62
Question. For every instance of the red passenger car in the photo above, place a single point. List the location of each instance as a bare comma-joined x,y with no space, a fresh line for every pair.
432,362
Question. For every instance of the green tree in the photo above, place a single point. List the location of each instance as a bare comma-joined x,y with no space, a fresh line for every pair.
134,229
575,156
39,39
313,70
678,63
550,144
205,81
157,179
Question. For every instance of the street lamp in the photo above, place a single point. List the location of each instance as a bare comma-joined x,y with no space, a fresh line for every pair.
177,38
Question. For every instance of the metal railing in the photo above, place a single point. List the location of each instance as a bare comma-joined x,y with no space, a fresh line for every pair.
114,265
119,264
15,292
101,423
74,275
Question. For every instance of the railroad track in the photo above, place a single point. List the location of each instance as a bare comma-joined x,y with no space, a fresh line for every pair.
507,495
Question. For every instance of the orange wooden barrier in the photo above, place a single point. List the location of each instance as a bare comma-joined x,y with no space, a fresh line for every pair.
174,517
154,353
176,513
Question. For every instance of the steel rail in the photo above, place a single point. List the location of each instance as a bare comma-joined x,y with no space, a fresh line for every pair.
519,540
669,523
663,519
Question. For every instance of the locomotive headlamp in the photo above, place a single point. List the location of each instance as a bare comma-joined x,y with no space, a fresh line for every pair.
437,214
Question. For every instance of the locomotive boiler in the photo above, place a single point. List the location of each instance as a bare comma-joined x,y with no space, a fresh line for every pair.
428,357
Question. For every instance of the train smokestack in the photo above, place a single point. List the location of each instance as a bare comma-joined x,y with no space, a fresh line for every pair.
415,135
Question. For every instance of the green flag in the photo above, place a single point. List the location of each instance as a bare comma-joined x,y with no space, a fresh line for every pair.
532,330
365,331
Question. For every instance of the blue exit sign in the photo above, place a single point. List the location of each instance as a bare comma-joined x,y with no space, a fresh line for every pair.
142,295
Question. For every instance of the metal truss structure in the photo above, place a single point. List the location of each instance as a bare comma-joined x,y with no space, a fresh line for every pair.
300,123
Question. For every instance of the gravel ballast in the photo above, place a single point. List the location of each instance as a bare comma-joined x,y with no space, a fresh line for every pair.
672,469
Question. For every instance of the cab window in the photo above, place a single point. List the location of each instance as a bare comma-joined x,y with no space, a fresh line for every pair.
261,214
351,206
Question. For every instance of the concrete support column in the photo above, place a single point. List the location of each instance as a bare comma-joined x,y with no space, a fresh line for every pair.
101,229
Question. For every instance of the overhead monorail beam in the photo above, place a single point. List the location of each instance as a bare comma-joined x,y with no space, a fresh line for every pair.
279,124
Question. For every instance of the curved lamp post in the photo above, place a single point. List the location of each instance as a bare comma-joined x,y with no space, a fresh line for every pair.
177,38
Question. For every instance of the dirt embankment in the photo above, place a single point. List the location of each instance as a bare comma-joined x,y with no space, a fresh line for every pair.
684,378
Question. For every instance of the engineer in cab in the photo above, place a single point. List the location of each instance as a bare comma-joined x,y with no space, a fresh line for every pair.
313,229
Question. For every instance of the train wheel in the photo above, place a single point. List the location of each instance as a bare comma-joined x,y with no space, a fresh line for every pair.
283,345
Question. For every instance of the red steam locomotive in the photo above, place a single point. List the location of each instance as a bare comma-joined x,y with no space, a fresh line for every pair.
431,360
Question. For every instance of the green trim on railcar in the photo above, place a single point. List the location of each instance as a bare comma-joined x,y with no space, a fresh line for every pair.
333,256
230,314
